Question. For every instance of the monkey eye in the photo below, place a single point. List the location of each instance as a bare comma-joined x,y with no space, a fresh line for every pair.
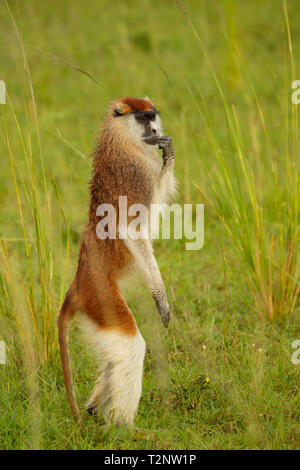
149,116
117,113
146,116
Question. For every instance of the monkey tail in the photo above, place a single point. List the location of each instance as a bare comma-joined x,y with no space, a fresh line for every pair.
65,315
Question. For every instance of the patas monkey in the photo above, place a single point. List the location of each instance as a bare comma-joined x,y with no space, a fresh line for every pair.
126,163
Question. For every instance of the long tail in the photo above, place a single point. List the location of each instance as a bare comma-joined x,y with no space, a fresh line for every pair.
65,315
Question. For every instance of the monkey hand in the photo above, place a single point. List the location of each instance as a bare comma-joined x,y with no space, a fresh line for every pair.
165,143
163,309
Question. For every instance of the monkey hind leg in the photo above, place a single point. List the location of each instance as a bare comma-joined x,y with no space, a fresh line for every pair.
67,312
100,403
118,389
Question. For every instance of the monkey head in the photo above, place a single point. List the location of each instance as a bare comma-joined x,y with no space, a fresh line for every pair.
138,118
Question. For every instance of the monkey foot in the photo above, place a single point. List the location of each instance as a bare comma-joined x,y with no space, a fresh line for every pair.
91,410
95,413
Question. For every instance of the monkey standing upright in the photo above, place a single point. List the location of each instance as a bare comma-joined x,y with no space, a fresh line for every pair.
126,163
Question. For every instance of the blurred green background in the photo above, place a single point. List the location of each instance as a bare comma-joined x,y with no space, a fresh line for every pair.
220,72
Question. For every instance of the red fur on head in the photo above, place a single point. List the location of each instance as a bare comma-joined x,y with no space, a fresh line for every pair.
130,105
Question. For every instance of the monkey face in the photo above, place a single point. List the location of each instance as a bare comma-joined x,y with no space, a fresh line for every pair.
139,118
142,128
151,125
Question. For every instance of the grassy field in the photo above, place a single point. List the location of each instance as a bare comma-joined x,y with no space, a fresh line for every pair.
221,376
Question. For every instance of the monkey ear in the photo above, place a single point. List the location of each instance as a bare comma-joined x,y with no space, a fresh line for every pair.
117,113
121,109
117,110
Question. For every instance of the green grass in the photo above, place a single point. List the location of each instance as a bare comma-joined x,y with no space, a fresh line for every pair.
221,377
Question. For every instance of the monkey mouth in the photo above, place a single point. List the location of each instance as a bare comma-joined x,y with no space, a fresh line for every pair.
151,140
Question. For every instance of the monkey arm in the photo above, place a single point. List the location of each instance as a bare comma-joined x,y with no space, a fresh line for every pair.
165,143
142,253
167,181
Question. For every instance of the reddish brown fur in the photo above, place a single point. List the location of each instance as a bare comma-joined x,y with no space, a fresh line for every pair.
130,105
117,170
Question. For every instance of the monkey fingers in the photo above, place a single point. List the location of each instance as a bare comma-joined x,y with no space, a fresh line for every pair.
165,143
164,311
